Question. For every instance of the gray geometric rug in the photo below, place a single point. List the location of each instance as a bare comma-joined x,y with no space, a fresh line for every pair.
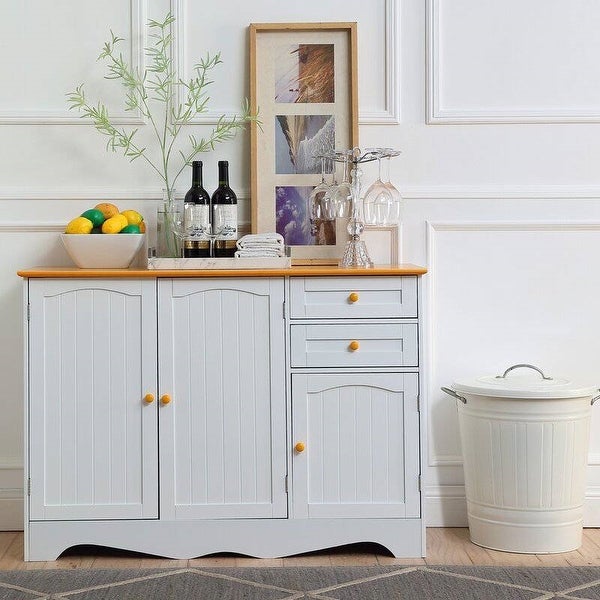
291,583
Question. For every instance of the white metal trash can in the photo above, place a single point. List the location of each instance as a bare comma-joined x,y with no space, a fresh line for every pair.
525,448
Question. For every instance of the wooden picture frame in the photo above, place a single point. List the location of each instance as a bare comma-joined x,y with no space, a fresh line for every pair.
304,88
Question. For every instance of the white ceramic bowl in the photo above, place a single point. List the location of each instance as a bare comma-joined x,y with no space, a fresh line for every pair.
102,251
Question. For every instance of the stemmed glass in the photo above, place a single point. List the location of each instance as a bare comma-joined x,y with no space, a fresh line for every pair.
212,232
378,201
396,196
320,201
343,193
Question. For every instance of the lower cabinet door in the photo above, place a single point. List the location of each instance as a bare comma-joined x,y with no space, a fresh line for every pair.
223,433
355,445
93,447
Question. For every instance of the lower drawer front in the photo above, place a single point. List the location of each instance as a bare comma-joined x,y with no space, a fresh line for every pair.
354,345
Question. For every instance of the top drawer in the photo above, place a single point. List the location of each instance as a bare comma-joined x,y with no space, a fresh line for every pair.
353,297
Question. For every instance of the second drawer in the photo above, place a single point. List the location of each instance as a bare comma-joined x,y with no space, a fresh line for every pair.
354,345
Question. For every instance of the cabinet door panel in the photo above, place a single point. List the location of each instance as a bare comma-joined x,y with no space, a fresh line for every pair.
361,434
94,448
223,436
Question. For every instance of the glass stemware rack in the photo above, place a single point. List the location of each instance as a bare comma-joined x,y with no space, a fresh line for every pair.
380,205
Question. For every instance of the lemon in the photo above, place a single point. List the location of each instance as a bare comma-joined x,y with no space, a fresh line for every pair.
95,216
107,209
114,224
130,229
133,217
79,225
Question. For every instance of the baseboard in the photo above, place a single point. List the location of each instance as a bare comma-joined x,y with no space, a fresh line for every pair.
446,506
11,513
11,497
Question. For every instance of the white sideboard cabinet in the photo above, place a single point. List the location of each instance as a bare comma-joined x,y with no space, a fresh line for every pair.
183,414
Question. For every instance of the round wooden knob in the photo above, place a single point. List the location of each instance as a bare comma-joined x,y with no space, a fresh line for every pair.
354,345
165,399
149,398
353,297
299,447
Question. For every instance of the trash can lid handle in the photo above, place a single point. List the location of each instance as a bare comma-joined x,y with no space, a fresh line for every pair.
520,366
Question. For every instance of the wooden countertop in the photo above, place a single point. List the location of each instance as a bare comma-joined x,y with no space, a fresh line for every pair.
294,271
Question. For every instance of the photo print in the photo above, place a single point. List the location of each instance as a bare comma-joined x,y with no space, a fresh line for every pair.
294,219
299,139
305,73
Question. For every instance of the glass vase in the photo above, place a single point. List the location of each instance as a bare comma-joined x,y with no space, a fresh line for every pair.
168,224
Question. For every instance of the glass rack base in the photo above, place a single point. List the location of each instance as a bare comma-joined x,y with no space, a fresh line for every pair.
355,254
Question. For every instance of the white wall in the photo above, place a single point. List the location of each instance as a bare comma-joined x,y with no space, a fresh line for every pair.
496,109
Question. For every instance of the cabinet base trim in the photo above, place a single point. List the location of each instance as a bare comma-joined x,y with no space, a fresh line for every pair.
253,537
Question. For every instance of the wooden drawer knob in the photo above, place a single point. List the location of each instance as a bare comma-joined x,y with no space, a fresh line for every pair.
354,345
165,399
299,447
353,297
149,398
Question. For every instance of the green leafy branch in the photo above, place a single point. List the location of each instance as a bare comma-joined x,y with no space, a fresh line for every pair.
159,84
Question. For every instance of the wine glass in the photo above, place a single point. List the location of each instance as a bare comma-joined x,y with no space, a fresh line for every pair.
317,197
343,193
212,232
396,196
377,201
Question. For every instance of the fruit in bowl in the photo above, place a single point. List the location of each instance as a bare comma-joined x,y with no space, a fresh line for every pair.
104,251
106,218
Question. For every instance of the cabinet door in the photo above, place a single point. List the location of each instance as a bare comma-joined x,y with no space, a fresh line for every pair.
361,445
222,361
92,359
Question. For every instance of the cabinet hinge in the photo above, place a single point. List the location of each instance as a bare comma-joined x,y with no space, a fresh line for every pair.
419,483
28,311
29,486
283,309
418,403
286,484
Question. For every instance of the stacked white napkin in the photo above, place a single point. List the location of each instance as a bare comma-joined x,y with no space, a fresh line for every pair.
260,244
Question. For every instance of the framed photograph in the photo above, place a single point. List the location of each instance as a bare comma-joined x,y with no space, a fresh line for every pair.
304,87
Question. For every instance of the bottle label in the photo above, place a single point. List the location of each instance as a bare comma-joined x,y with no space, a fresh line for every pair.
196,219
226,221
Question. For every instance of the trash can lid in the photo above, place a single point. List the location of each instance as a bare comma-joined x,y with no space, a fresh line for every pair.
533,384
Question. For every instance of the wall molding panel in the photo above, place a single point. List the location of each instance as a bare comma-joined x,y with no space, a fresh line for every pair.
440,112
136,36
390,114
436,460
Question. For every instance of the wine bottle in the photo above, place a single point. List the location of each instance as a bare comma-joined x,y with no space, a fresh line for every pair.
224,215
196,206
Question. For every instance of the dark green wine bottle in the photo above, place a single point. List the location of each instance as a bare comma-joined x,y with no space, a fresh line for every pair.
224,215
196,212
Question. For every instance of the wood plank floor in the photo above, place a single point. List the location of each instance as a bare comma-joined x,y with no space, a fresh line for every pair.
449,546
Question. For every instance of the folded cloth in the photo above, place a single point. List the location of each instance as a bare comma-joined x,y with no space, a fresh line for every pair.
258,252
268,240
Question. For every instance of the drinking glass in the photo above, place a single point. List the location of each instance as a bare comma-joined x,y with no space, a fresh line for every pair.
343,193
212,232
320,202
378,201
396,211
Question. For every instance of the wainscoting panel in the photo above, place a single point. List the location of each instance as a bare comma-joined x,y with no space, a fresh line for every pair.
497,294
494,62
